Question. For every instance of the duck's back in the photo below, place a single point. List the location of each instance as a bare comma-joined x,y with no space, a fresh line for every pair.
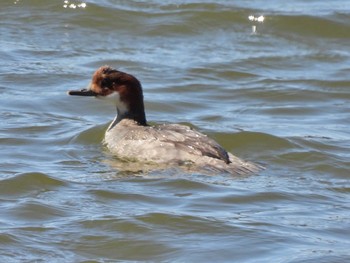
173,144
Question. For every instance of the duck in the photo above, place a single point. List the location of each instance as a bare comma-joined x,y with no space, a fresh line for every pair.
130,138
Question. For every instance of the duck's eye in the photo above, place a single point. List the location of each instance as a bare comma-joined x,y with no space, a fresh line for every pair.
106,83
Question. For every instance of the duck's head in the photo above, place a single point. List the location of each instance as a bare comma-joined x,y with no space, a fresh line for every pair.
123,88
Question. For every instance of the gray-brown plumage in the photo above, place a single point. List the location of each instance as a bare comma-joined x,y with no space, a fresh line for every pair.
161,146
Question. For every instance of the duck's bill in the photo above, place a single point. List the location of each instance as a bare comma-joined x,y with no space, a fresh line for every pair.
83,92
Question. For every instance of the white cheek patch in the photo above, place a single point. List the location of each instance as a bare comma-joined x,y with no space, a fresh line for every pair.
114,98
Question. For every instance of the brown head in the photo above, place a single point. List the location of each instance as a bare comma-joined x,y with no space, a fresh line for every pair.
123,88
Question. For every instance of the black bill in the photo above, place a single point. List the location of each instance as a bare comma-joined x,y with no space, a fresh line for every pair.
83,92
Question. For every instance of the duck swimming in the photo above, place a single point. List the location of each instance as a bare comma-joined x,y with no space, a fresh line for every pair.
168,145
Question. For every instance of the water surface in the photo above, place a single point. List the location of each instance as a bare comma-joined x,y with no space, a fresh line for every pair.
279,97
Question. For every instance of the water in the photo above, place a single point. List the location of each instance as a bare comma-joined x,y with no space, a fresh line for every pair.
279,97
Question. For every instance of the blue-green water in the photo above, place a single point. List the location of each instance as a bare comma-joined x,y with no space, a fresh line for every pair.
278,96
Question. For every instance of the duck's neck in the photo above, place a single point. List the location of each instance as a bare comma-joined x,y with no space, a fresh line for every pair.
137,114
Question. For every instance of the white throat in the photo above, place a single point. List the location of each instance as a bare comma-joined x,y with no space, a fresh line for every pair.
114,98
122,108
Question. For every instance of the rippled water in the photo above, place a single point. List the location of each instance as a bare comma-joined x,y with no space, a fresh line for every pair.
278,96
